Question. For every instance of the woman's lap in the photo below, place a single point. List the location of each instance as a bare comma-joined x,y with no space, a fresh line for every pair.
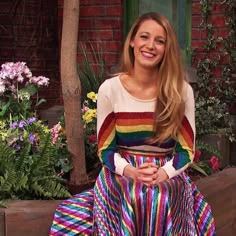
119,206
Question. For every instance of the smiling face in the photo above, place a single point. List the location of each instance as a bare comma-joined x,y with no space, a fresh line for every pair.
149,44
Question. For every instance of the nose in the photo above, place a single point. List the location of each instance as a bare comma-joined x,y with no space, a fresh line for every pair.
150,44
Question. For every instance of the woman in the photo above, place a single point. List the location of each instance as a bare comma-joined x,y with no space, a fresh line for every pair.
146,135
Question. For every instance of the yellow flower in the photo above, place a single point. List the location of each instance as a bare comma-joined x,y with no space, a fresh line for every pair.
89,115
92,96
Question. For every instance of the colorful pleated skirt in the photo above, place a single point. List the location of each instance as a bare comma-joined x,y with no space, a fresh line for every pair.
119,206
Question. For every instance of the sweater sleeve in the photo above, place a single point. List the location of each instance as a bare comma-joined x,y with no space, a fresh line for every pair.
184,149
106,132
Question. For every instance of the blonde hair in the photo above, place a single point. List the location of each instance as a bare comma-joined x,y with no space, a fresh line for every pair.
169,109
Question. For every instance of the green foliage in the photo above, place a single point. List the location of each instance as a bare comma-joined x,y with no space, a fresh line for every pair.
92,74
30,173
92,69
214,95
212,117
33,159
206,160
206,147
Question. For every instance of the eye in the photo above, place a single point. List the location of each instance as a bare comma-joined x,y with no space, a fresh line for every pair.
160,41
143,36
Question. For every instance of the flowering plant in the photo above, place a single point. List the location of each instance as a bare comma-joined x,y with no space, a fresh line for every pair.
33,157
206,160
61,154
17,86
89,118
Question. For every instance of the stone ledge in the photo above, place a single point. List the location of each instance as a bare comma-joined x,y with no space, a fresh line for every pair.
34,217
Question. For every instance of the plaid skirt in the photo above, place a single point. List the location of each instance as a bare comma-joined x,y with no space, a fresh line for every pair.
119,206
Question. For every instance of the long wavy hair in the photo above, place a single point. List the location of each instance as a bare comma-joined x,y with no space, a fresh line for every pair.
169,108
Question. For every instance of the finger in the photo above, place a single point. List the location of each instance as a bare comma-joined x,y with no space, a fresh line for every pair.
148,165
144,165
145,179
147,171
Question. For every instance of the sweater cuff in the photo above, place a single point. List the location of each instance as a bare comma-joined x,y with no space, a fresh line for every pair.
120,164
171,171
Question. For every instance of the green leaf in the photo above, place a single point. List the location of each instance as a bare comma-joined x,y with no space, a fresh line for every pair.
4,108
197,168
40,102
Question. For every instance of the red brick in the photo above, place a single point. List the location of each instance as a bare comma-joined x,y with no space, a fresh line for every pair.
60,2
223,32
196,34
218,21
85,23
111,58
92,35
107,23
218,8
117,35
217,71
224,60
114,11
113,46
86,2
196,8
107,2
82,35
203,34
93,11
196,20
60,11
106,34
198,45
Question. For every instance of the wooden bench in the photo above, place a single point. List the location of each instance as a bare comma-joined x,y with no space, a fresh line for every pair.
34,217
220,191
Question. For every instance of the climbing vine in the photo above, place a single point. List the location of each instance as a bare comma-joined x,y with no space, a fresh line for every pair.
215,88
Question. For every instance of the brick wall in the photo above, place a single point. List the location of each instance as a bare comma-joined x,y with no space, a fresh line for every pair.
100,24
217,19
28,32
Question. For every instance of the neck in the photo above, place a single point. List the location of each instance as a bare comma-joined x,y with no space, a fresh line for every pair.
145,77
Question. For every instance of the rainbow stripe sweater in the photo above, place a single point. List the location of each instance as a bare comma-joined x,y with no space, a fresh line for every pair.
125,122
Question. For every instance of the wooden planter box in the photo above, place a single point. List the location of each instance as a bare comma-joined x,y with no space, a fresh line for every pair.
27,217
222,144
34,217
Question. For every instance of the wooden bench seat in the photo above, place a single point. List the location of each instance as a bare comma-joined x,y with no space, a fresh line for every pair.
34,217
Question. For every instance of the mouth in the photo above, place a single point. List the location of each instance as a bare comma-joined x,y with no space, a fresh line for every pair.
148,54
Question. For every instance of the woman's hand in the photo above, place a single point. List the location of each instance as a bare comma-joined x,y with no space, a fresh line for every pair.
152,174
131,172
148,173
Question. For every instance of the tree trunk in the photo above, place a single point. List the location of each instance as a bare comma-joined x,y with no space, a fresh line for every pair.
71,90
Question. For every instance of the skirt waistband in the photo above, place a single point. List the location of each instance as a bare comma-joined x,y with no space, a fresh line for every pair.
149,155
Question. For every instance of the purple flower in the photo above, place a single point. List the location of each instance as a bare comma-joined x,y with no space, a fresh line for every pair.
39,81
31,138
22,124
16,146
31,120
13,70
14,125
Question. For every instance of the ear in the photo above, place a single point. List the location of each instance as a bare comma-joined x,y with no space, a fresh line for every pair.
131,44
